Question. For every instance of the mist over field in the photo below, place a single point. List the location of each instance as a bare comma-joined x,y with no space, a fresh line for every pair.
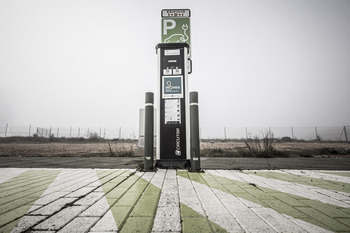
255,63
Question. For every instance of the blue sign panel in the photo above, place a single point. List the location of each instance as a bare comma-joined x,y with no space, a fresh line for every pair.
172,87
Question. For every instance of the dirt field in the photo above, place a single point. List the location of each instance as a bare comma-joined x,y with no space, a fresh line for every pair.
287,149
131,149
123,149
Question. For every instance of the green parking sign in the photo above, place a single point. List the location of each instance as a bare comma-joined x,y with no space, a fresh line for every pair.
176,26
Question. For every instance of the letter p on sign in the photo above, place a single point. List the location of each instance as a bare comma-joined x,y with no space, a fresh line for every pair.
168,24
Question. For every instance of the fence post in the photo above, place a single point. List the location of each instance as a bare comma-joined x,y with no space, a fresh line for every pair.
70,132
346,135
58,129
225,133
317,137
7,125
30,127
292,132
149,134
194,132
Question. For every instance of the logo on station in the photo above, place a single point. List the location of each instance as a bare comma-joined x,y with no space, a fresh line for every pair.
172,86
180,37
169,86
178,149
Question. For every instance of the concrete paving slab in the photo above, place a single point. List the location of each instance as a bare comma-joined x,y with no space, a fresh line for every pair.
174,201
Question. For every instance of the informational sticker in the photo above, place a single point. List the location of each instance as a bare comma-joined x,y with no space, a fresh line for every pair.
176,13
172,87
171,52
172,111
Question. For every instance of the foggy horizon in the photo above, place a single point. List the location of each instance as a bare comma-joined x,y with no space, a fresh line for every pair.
255,63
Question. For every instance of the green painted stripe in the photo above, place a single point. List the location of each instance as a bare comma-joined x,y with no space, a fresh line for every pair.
15,206
32,180
135,218
315,212
316,182
142,216
347,174
123,190
195,222
138,224
110,176
134,204
191,220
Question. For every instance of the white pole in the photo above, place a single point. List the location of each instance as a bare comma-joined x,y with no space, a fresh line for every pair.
7,125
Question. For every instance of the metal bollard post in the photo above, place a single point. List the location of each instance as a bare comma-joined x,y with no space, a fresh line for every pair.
194,127
149,127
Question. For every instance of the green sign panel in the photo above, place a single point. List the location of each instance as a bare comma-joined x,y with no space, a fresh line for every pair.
176,26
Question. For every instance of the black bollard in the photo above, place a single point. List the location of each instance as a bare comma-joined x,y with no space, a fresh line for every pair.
194,128
149,127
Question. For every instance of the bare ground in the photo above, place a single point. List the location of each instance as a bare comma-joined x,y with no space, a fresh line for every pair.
122,149
131,149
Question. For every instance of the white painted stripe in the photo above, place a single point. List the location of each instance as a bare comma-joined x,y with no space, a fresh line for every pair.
107,222
319,175
149,104
188,195
194,104
215,210
337,195
53,198
309,227
76,183
309,192
9,173
278,221
158,178
167,217
247,218
251,216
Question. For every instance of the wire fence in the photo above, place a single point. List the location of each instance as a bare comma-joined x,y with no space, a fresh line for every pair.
69,132
338,133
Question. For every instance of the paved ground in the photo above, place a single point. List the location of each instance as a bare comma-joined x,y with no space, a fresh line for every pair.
124,200
206,163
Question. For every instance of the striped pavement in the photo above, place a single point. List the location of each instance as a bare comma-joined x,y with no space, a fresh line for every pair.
126,200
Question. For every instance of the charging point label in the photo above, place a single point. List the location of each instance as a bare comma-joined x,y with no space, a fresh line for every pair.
176,26
172,111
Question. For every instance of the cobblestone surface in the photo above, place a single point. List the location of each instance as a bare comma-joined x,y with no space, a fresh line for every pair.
124,200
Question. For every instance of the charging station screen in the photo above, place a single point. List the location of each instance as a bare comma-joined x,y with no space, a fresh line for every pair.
172,87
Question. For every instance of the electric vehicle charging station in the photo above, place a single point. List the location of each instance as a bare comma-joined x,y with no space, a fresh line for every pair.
176,145
173,124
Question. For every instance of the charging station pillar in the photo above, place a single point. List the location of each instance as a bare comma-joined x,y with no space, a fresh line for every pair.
173,121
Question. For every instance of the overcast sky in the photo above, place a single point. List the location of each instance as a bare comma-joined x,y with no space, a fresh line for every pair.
255,63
